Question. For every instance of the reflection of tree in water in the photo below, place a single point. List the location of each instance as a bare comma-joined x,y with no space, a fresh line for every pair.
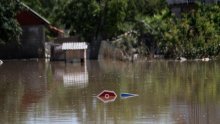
191,84
200,92
162,87
80,100
22,84
182,92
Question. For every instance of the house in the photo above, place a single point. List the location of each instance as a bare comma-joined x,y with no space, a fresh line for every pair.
33,36
178,6
69,49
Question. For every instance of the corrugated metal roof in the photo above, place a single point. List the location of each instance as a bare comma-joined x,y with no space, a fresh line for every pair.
74,46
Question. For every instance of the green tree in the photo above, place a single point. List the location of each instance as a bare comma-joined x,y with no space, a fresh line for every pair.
81,17
10,30
94,20
194,35
202,33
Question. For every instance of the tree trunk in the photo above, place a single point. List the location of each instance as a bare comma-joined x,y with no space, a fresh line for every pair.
96,43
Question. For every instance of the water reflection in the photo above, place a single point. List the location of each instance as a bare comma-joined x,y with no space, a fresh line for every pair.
71,74
169,92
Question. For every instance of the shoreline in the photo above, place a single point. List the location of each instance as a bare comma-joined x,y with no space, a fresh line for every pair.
139,59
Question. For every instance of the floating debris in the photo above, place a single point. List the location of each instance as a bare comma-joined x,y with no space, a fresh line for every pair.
1,62
181,59
205,59
127,95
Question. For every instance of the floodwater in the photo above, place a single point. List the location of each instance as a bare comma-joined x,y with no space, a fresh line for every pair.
170,92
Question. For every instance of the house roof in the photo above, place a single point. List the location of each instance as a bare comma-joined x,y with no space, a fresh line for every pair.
179,1
74,46
34,12
55,29
30,17
170,2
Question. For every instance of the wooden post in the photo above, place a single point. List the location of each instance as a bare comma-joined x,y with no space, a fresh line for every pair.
84,55
52,53
65,57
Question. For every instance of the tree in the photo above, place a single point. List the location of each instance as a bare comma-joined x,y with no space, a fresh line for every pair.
195,35
105,18
10,30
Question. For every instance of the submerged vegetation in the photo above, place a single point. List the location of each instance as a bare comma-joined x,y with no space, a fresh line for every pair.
196,34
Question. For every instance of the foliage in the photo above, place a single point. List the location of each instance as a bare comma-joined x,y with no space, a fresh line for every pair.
202,33
81,16
10,30
104,19
195,35
129,44
95,20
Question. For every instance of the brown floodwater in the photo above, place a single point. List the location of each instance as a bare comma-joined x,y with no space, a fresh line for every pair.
169,92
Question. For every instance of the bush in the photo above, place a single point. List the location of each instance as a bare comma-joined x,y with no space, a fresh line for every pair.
195,35
129,44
